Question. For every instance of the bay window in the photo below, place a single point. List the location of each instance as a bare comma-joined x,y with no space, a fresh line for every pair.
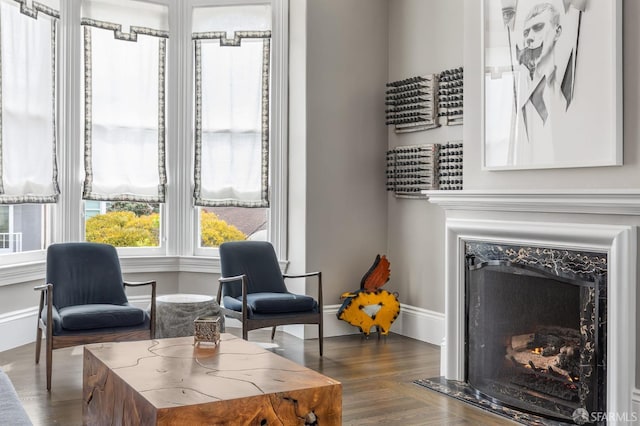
157,126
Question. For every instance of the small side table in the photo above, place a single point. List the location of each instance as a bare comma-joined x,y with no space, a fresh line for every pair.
175,313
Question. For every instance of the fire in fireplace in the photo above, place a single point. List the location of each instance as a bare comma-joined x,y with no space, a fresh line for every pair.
536,328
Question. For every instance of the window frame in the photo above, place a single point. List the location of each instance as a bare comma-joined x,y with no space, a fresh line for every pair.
69,214
277,213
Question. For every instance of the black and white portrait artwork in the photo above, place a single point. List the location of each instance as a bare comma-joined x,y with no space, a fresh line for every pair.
550,83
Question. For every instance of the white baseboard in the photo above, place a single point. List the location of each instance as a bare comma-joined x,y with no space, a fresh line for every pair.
417,323
18,328
420,324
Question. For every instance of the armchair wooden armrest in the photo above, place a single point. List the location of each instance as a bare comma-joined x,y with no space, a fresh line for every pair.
139,283
45,291
43,287
152,314
310,274
226,280
223,280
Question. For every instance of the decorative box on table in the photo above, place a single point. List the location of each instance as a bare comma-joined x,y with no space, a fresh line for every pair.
206,329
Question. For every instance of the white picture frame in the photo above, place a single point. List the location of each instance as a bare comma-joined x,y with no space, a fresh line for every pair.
551,84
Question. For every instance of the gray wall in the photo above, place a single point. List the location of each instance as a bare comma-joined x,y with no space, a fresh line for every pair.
338,139
425,37
347,56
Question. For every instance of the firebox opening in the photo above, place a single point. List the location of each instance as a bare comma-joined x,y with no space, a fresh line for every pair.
532,339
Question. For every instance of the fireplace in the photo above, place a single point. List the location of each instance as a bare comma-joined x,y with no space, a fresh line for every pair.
535,328
590,221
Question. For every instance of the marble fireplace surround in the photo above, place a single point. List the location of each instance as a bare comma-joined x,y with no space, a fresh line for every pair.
597,221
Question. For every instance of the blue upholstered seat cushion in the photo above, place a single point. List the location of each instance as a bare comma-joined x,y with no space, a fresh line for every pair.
272,303
95,316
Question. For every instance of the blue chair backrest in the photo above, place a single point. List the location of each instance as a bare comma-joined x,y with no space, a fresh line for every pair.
258,261
84,273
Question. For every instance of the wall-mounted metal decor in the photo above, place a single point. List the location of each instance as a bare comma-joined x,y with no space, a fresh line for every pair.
450,166
412,103
451,96
415,168
411,169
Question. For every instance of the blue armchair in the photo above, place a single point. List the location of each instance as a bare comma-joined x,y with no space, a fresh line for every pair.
83,300
252,290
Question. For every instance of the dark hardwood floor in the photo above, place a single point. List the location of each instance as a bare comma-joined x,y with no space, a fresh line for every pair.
376,376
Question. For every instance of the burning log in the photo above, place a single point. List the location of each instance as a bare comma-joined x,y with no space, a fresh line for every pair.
553,350
522,342
546,361
557,363
561,372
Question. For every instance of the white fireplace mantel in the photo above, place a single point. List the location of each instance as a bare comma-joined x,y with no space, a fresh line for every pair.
521,218
609,201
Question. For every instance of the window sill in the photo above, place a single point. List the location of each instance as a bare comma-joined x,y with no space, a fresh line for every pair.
35,271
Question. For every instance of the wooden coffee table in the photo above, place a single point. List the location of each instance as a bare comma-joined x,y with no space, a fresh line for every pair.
171,381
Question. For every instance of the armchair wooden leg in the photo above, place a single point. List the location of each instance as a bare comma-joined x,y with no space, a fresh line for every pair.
38,343
320,335
49,349
245,332
273,332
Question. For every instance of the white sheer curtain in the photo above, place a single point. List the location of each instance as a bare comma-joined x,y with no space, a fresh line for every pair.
124,100
232,106
27,98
